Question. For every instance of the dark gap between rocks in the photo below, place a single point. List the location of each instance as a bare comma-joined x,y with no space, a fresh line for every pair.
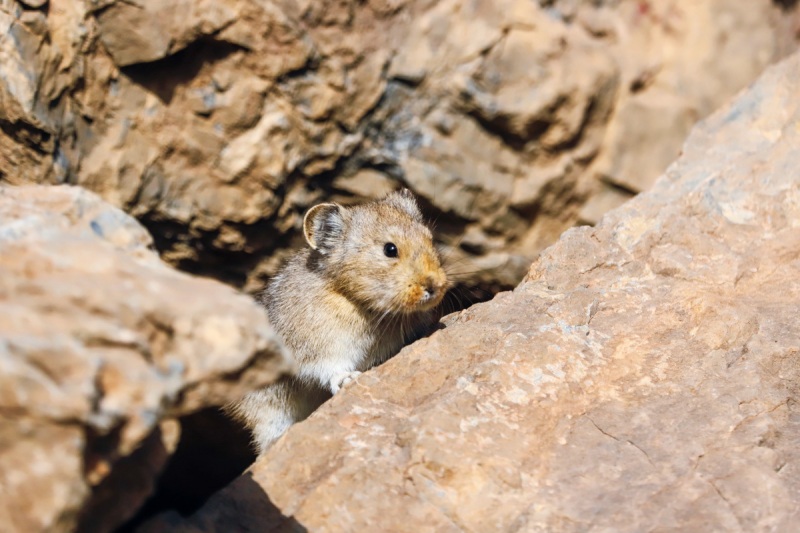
164,76
212,452
786,5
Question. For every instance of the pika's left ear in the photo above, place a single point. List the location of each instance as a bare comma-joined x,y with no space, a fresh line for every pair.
404,200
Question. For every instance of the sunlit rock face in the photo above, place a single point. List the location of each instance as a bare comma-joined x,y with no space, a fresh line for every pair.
644,376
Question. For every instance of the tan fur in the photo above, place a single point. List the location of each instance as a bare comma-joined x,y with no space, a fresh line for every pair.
343,306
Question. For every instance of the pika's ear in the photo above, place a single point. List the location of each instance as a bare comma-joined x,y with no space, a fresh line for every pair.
323,226
404,199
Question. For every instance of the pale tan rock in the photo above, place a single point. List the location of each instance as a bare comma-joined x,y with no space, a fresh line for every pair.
365,184
102,347
609,197
649,133
643,377
150,30
34,3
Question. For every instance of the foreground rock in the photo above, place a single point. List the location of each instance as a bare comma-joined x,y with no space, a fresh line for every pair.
644,377
218,123
102,347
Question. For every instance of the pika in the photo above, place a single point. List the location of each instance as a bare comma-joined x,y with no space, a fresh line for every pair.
367,285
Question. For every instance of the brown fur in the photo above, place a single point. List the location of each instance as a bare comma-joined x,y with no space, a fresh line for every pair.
343,306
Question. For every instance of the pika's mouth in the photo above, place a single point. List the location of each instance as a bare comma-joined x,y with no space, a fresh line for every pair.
424,298
431,298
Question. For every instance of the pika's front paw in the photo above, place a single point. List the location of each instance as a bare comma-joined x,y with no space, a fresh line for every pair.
340,380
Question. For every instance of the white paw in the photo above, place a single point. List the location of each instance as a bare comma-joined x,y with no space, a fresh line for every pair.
340,380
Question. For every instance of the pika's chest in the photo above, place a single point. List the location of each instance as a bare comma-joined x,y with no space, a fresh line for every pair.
372,342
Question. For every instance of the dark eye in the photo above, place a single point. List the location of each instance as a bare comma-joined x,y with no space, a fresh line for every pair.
390,249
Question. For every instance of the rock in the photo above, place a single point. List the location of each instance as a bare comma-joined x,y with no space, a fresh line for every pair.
643,377
218,123
35,4
102,348
650,134
150,30
609,197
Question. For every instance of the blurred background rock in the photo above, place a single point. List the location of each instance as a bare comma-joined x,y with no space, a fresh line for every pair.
217,123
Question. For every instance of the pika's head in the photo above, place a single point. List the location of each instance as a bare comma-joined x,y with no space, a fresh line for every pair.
380,254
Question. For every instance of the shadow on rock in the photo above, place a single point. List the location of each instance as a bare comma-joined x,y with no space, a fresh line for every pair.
243,507
212,452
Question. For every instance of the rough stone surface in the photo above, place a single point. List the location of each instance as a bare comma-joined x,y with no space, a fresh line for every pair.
645,376
102,347
218,123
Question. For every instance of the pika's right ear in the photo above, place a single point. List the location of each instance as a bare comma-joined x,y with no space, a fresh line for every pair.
323,226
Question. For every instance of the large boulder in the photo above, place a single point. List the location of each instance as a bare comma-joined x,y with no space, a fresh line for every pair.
218,123
645,376
102,348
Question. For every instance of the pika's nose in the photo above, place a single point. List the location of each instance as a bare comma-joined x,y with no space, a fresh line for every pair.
431,287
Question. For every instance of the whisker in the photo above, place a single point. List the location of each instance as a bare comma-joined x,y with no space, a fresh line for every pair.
392,307
453,247
467,275
474,296
448,254
377,324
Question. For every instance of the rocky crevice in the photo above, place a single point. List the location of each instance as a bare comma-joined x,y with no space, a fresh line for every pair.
642,376
218,126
